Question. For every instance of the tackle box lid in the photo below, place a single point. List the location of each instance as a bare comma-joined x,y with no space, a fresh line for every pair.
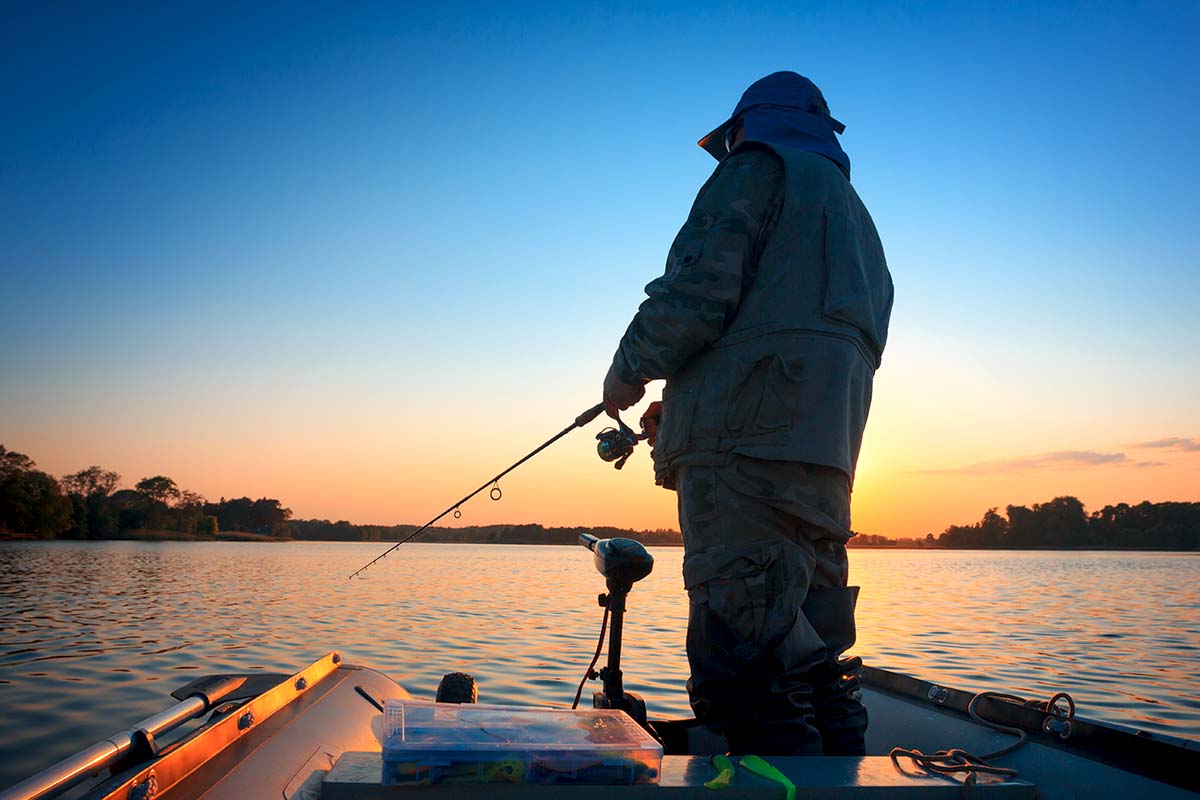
413,725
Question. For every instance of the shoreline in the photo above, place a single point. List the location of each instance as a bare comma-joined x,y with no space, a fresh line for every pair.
249,537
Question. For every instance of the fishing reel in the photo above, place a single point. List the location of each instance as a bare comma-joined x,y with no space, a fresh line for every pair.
616,444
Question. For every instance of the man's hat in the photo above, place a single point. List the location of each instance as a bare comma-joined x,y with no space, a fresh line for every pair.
780,90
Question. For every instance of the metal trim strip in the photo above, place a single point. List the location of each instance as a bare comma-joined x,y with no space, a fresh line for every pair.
167,771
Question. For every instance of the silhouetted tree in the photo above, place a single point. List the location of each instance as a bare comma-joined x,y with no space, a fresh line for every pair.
91,481
1061,522
992,529
89,491
132,509
31,502
1022,527
265,515
955,536
189,499
12,461
159,489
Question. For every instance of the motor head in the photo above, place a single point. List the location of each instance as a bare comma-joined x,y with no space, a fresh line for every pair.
621,561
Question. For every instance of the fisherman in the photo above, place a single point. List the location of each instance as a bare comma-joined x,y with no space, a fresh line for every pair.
767,326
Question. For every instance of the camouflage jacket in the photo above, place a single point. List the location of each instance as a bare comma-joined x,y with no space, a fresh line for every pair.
770,320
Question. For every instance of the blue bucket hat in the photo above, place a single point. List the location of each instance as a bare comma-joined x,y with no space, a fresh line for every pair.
783,109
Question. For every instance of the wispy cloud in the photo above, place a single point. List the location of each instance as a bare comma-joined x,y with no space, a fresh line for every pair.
1072,459
1170,443
1063,459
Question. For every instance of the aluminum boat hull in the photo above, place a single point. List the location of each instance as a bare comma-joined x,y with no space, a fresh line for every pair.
318,734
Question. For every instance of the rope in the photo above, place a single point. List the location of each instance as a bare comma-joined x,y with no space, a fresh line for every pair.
956,761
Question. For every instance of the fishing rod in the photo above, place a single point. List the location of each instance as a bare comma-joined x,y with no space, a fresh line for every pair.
614,445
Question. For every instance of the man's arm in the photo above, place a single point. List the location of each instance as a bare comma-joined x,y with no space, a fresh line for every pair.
715,252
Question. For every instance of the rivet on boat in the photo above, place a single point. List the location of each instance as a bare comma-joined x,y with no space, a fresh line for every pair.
1055,725
301,683
245,720
146,790
938,694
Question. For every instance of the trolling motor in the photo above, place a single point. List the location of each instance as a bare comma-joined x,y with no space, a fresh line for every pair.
616,444
622,562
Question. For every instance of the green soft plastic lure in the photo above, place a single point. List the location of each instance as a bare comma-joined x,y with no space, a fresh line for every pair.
505,772
760,767
724,769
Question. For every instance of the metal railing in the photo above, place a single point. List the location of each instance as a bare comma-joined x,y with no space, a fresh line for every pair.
106,753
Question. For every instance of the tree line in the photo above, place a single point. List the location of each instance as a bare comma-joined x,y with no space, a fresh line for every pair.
1064,523
89,504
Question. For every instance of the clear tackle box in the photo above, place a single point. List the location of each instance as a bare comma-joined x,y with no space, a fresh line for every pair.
428,743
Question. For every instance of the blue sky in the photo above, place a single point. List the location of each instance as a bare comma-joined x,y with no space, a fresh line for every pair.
384,225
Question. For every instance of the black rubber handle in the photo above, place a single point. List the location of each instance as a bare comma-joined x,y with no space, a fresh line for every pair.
589,415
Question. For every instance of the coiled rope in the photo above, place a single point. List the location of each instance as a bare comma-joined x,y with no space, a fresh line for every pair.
958,761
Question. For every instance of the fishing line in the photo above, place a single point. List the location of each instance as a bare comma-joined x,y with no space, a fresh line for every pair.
613,445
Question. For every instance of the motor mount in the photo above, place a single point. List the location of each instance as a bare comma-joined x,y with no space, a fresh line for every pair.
622,562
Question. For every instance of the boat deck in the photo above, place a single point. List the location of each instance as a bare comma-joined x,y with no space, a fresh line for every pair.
318,734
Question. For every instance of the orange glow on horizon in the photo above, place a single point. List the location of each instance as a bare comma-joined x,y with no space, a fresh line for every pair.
912,480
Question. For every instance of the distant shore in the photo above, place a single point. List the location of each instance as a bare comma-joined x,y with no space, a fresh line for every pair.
157,536
505,535
88,506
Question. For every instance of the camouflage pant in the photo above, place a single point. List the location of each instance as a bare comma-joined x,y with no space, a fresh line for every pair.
758,535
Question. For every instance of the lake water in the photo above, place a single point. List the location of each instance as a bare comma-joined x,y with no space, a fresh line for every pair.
94,636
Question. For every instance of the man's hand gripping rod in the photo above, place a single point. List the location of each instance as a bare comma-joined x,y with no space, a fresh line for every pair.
580,421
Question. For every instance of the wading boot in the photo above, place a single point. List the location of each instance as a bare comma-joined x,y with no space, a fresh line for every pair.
836,689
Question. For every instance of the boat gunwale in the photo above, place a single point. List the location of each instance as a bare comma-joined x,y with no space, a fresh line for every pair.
193,753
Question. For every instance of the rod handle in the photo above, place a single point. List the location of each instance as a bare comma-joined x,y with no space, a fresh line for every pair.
589,415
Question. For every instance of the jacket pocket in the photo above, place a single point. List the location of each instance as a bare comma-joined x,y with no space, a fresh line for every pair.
685,250
858,288
759,402
755,592
679,410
